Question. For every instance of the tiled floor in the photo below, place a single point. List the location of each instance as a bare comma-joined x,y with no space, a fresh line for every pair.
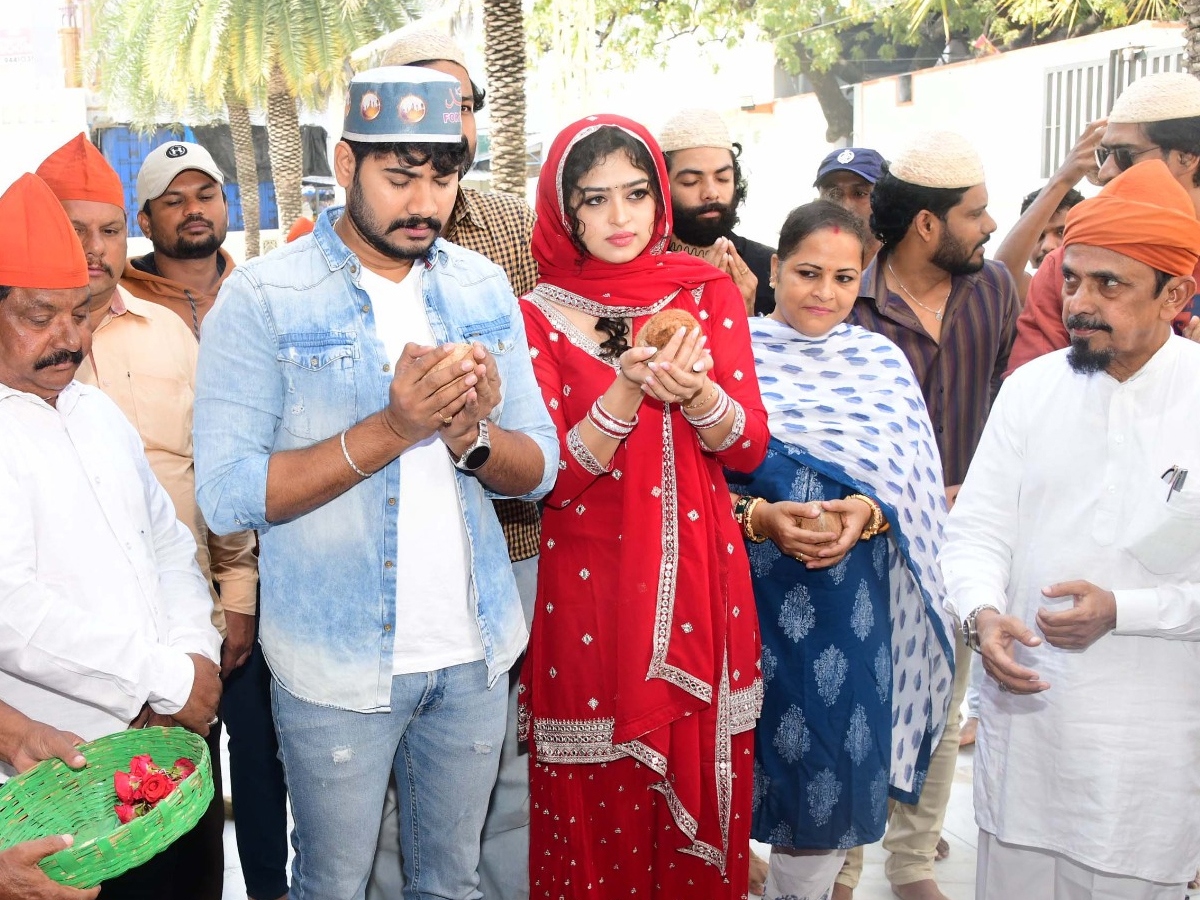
956,875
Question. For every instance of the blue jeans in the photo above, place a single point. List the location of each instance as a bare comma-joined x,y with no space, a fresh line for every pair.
442,739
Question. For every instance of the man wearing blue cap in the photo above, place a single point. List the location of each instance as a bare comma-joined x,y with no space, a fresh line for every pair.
847,177
362,394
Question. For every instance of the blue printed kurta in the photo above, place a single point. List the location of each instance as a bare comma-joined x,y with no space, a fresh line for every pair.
822,743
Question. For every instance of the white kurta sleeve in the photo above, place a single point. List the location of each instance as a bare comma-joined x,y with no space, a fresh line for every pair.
1166,611
47,638
183,597
981,529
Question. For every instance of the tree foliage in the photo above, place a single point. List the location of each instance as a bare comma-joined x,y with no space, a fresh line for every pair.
833,42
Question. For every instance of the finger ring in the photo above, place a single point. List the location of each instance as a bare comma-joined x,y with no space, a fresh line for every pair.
212,721
1004,687
800,556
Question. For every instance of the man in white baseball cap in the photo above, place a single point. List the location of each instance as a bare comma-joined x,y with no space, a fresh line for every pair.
182,209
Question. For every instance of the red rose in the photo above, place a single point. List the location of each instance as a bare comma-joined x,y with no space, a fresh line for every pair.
155,786
125,813
139,765
128,788
184,767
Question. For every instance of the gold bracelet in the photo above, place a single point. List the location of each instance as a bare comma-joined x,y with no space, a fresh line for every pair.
748,522
703,403
876,523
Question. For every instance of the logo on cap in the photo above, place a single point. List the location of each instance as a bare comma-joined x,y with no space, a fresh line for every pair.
175,151
845,156
369,106
411,109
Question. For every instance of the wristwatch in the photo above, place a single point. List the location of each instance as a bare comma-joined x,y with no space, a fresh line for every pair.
970,630
475,456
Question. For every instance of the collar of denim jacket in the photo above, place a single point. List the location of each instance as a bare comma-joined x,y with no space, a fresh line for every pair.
338,255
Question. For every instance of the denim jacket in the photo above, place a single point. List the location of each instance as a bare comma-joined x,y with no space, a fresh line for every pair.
289,356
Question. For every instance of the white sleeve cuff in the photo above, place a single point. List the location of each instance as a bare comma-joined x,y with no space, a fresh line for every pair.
967,601
1137,611
171,674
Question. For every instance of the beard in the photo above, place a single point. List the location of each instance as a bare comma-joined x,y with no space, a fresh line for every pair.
1082,358
183,247
955,258
375,234
691,229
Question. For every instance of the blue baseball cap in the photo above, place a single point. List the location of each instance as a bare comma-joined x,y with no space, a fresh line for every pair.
862,162
403,104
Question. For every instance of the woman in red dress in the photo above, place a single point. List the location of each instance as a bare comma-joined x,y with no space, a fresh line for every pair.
641,685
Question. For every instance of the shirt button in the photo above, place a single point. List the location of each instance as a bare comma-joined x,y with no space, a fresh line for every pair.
387,367
366,308
387,627
314,361
387,564
391,501
354,268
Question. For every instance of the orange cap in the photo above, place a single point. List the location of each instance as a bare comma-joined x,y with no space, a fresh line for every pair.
78,171
302,226
38,246
1143,213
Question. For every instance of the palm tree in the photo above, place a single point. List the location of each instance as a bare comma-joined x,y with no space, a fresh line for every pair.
1190,12
204,55
504,60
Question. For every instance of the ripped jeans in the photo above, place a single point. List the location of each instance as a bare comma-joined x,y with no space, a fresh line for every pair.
442,737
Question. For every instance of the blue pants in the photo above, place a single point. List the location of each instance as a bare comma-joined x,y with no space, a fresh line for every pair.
442,741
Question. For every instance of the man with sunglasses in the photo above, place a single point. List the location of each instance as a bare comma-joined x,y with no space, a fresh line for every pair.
1157,117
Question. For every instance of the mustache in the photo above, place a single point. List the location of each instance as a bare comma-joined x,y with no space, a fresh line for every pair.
57,358
103,265
715,206
192,220
430,222
1079,320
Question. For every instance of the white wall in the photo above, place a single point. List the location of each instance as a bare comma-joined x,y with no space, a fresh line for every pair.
37,113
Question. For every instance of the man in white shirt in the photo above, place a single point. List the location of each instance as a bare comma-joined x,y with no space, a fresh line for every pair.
1073,559
104,615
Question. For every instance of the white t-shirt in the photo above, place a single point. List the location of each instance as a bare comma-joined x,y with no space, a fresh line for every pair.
435,615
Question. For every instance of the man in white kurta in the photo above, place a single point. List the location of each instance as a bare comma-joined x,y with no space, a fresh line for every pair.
1076,568
104,615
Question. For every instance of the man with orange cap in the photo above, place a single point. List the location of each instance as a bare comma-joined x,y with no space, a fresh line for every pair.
1073,560
144,358
1156,117
104,614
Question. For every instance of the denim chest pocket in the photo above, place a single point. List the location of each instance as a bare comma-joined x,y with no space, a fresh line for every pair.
318,371
495,335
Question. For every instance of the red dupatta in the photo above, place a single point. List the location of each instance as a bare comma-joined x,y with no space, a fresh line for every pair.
671,612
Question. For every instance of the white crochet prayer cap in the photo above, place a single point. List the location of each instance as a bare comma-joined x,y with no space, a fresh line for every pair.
695,128
938,159
423,46
1156,98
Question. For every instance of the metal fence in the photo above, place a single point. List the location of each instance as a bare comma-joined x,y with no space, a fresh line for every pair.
1081,92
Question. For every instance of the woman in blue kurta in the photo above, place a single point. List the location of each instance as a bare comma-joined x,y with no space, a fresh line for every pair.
857,662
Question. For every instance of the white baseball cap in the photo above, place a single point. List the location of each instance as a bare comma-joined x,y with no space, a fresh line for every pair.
165,162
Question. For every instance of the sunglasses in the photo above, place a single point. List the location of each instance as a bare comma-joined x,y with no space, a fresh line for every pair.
1122,156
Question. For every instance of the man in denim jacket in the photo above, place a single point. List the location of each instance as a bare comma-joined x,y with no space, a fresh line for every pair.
389,611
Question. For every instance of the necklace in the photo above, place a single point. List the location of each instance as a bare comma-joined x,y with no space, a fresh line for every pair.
937,313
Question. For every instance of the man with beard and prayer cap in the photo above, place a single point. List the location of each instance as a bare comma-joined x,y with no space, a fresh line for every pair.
1072,558
707,187
953,313
106,616
1156,117
500,226
181,208
144,358
348,405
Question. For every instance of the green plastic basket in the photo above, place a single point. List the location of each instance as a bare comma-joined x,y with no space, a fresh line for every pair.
52,798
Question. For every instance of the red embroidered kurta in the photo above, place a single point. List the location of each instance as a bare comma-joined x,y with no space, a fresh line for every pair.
642,684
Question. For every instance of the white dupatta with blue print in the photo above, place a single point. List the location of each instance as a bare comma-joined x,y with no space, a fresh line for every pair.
848,405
